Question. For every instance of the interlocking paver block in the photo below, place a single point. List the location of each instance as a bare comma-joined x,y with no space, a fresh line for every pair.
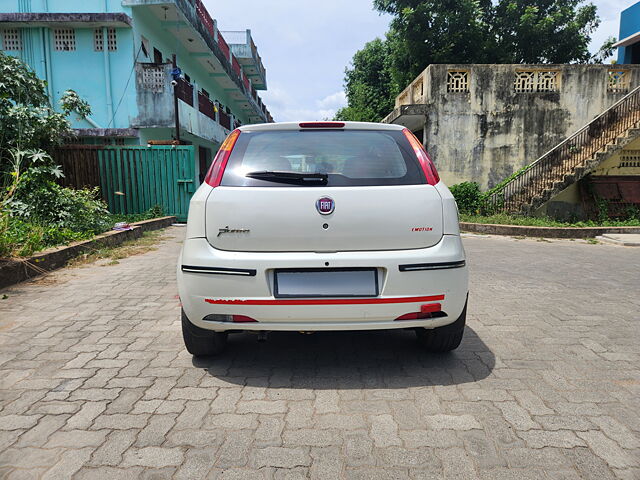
99,383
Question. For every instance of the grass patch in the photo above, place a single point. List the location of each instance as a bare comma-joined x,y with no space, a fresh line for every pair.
503,219
146,243
22,238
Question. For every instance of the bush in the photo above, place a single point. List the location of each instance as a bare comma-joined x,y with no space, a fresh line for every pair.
469,198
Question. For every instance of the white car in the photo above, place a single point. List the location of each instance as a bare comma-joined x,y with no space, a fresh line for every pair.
322,226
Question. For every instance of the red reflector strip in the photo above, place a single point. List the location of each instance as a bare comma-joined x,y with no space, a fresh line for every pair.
242,319
325,301
430,308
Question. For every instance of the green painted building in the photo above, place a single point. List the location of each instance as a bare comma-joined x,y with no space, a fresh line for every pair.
117,55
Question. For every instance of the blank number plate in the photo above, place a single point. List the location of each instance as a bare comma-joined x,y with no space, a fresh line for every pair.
335,282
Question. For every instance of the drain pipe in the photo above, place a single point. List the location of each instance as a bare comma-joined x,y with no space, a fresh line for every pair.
46,45
107,74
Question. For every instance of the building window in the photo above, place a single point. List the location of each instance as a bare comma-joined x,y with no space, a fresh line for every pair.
98,40
11,39
145,45
618,81
630,158
64,39
457,80
157,56
537,81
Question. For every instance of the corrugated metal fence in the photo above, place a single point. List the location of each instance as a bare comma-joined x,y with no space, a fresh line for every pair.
134,179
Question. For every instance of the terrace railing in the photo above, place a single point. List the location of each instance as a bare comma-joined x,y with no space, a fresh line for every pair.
573,152
184,91
206,106
225,120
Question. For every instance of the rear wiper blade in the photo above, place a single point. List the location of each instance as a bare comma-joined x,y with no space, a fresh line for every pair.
289,177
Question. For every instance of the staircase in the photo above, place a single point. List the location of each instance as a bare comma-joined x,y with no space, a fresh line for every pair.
571,159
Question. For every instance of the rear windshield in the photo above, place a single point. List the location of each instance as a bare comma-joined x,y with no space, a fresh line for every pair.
348,157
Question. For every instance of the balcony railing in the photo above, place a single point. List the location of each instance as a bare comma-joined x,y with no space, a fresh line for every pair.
204,16
245,80
224,46
225,120
184,91
206,106
236,66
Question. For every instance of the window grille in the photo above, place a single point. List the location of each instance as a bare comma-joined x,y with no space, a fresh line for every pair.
64,39
630,159
11,39
536,81
418,90
153,79
618,80
457,81
98,40
112,43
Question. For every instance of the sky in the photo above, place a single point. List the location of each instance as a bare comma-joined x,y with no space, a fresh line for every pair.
306,45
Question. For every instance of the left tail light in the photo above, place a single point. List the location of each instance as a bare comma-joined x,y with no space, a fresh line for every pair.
214,175
429,169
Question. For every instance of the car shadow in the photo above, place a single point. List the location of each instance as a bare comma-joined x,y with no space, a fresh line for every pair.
346,360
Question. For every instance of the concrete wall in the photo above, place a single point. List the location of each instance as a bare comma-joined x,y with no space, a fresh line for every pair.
491,131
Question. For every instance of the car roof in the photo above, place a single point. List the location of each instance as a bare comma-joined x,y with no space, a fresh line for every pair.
296,126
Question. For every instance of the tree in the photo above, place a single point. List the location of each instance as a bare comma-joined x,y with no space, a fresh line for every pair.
433,31
423,32
545,31
368,85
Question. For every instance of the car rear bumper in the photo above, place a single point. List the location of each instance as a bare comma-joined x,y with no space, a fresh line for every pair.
216,282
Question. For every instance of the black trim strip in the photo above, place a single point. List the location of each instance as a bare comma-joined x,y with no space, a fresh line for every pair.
431,266
244,272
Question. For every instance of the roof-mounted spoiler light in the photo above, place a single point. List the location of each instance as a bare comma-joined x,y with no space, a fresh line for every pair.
321,125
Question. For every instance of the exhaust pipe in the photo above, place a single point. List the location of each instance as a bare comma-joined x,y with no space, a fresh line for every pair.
262,337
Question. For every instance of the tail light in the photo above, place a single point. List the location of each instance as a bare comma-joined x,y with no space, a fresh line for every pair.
321,125
214,175
427,165
428,310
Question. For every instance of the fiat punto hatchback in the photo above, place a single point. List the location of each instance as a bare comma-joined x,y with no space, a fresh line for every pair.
322,226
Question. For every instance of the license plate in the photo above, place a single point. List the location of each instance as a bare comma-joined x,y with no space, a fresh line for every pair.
335,282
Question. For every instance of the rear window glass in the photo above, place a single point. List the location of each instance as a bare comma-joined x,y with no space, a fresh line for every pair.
348,157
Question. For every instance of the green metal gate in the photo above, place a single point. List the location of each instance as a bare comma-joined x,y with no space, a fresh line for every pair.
135,179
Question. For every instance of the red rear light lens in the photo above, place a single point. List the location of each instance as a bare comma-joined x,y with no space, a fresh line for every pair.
426,311
242,319
322,125
214,175
427,165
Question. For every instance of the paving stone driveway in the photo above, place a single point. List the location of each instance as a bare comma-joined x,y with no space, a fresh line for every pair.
95,382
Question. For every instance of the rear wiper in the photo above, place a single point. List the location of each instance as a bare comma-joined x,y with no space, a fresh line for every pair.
289,177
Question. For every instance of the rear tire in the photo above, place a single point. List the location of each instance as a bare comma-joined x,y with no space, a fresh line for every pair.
201,342
443,339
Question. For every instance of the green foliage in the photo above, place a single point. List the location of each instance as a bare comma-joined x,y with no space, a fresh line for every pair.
368,85
504,219
27,120
36,212
423,32
468,196
23,238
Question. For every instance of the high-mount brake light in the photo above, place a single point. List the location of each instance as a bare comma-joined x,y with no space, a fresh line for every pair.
427,165
321,125
214,175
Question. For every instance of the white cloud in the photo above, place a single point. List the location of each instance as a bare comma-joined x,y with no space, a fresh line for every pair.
333,101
